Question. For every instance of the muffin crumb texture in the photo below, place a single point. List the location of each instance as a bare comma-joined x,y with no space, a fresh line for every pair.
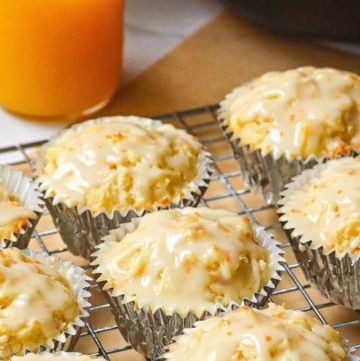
194,259
123,163
13,216
272,334
36,303
297,113
326,210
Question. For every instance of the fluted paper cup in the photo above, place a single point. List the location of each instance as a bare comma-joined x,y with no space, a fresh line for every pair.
336,276
29,196
82,230
148,330
80,285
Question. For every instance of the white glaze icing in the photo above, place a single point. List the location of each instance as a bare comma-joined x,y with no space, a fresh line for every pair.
326,210
12,214
273,334
300,112
36,303
120,163
193,259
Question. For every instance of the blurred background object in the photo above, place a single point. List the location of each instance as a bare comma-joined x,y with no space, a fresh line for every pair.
325,19
59,58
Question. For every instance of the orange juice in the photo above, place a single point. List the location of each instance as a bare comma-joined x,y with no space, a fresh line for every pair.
59,57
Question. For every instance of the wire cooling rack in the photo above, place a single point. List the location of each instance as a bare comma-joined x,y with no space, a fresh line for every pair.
100,335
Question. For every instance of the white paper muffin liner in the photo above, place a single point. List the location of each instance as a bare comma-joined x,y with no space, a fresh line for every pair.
80,285
25,190
82,231
336,276
149,331
265,173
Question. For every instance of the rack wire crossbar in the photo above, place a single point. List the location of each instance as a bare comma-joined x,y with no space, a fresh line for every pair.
227,191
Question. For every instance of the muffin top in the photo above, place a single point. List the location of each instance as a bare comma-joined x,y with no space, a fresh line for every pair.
272,334
58,356
326,208
123,163
36,303
13,216
297,113
193,259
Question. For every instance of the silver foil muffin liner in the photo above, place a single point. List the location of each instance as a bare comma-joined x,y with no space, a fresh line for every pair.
149,331
352,351
80,285
336,276
29,196
264,173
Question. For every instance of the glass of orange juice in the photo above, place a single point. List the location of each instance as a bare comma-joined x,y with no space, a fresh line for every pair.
59,58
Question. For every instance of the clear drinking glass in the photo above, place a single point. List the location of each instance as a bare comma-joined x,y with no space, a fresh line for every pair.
59,58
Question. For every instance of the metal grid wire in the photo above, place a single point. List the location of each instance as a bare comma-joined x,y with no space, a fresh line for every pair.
226,190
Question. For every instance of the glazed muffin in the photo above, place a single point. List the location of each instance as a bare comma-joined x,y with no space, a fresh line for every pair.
37,303
247,334
117,168
123,163
298,113
57,356
289,117
320,211
181,262
197,259
20,208
326,210
13,215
